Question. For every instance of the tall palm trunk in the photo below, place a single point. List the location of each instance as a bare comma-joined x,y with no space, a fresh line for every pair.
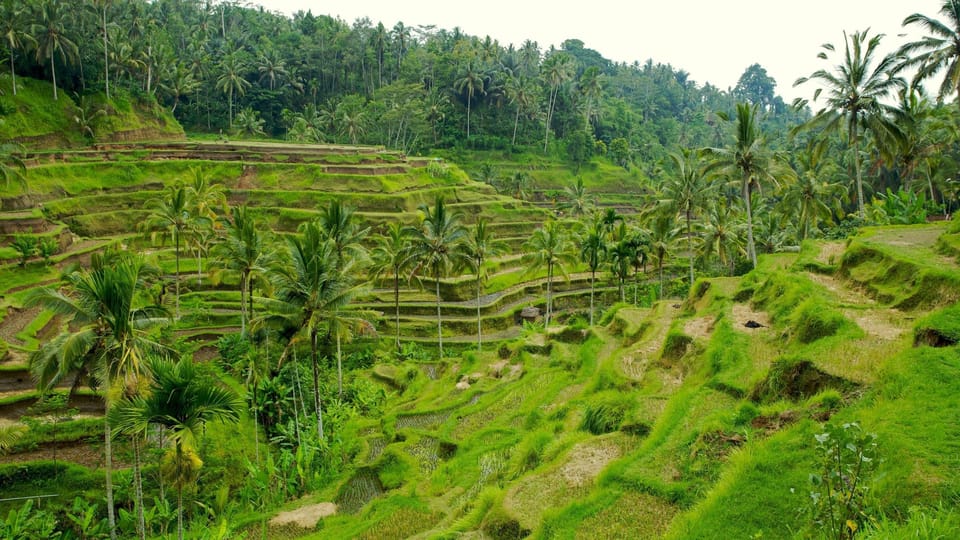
108,476
439,320
53,72
176,277
339,368
751,247
13,74
179,491
243,303
690,247
396,303
593,279
138,488
316,383
479,322
516,123
546,323
106,59
861,212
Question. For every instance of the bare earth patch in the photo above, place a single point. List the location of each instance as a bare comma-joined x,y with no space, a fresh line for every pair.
874,321
830,252
743,313
699,328
305,516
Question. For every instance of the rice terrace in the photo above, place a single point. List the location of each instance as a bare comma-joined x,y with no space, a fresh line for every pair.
270,276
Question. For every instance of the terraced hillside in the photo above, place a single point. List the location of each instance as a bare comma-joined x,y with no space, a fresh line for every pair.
693,417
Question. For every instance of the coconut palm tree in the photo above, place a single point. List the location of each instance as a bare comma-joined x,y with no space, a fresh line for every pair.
856,88
749,161
50,35
521,92
722,235
171,213
550,247
341,227
472,81
557,70
438,247
248,252
482,245
593,248
232,81
106,339
390,256
14,32
181,402
12,166
686,191
311,287
663,233
576,200
808,200
938,51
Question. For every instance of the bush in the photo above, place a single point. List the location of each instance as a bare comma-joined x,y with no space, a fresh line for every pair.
605,415
745,413
501,526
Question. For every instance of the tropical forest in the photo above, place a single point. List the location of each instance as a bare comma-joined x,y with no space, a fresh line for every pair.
274,276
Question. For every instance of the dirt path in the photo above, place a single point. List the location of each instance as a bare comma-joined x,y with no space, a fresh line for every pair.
15,321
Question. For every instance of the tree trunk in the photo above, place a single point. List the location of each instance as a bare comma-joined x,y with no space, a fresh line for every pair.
316,383
53,71
546,323
339,368
593,278
138,488
660,271
690,248
179,492
243,304
106,59
439,319
469,99
861,211
13,74
751,247
396,303
176,277
516,123
479,322
108,476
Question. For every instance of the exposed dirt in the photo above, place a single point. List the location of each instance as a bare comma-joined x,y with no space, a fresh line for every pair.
830,252
15,321
699,328
305,516
882,323
79,452
743,313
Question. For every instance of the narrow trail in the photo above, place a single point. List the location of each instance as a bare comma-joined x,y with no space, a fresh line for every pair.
638,357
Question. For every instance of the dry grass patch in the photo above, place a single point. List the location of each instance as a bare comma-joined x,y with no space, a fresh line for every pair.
633,515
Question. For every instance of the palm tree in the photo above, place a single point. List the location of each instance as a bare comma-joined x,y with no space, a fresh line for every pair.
576,200
522,93
390,256
106,336
100,7
807,200
663,232
722,235
271,67
855,93
550,247
231,80
940,50
247,251
749,160
439,246
13,29
12,166
181,402
311,286
207,200
340,226
172,213
621,254
687,191
482,245
593,249
472,82
557,70
51,38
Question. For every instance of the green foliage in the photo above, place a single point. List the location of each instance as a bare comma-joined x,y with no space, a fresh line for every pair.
675,345
847,458
26,246
47,248
395,467
746,412
938,329
28,523
605,413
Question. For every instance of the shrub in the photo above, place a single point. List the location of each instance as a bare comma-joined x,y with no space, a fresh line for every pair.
501,526
605,414
745,413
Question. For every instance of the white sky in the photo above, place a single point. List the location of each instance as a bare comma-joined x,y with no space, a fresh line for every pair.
714,41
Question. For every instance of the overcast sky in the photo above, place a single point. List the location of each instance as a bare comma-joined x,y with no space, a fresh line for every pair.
714,41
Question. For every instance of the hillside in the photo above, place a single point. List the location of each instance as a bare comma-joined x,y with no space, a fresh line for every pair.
667,419
32,118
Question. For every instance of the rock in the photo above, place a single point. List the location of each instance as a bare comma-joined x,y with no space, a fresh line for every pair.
753,324
463,385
